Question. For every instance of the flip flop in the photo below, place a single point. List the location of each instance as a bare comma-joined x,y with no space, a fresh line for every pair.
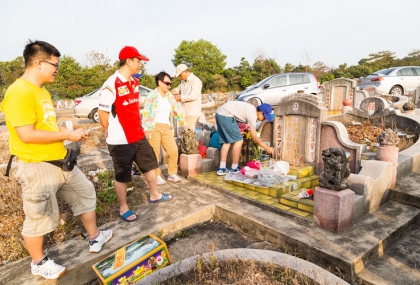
165,198
127,214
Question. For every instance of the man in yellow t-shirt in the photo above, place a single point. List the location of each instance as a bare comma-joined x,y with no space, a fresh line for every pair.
35,138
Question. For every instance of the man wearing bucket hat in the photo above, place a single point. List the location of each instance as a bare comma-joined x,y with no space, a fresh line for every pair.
227,117
119,113
189,94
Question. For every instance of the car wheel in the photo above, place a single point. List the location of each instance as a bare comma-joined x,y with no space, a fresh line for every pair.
254,101
396,90
94,116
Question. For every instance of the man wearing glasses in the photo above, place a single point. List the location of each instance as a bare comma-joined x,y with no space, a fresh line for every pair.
189,94
119,113
36,139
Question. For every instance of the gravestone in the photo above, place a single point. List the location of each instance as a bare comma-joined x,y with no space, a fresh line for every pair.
360,96
371,90
336,91
297,128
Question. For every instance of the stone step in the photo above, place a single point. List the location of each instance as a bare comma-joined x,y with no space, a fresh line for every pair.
402,256
407,190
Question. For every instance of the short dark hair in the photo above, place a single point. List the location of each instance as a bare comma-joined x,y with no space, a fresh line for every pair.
161,76
38,49
122,62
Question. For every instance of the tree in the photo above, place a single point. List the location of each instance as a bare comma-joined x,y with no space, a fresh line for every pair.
319,69
288,67
202,57
262,68
9,72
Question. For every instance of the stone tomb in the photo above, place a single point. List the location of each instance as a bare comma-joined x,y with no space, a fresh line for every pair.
336,91
297,124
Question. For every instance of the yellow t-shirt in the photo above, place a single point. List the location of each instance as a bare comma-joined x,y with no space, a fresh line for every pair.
26,104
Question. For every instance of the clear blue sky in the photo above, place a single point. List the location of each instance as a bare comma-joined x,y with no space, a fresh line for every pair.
331,31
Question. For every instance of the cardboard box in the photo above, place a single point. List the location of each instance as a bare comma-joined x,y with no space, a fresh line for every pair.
133,262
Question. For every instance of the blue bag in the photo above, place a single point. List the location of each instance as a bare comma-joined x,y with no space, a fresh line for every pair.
214,140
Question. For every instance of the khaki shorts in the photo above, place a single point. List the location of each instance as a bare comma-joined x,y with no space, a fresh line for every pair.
42,184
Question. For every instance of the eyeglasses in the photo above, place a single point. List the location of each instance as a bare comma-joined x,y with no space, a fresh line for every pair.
53,64
167,83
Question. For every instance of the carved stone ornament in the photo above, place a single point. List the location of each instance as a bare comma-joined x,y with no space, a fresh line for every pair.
388,138
336,169
409,106
188,143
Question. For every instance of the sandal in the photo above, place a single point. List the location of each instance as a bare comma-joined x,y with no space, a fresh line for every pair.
128,214
165,198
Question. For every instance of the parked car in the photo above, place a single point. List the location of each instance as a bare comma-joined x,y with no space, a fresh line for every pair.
87,106
395,80
272,89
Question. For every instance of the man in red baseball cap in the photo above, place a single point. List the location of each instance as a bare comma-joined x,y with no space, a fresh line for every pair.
119,113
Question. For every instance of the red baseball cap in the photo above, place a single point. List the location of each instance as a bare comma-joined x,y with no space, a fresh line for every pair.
130,52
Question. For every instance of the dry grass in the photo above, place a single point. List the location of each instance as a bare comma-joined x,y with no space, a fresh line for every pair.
238,272
368,135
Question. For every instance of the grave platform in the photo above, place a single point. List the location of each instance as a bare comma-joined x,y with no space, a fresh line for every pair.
281,196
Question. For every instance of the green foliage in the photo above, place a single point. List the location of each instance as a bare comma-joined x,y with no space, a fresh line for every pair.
205,60
262,68
202,57
182,234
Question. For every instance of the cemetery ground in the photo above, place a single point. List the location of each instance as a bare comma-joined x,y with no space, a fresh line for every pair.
181,245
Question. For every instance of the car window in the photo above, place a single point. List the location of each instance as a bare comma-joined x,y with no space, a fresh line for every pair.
298,78
417,69
143,92
384,71
405,72
262,82
278,81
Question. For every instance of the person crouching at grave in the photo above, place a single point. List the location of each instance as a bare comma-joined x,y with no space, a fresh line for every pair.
160,107
227,117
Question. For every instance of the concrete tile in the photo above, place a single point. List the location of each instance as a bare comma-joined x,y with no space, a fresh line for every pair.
299,213
306,208
261,190
264,196
288,202
249,186
281,206
266,201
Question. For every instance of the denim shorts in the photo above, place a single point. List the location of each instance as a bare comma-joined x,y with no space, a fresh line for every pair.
228,129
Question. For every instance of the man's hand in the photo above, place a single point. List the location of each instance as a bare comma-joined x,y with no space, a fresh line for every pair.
77,135
178,98
174,91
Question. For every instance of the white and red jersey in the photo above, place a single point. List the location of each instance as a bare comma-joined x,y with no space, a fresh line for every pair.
121,98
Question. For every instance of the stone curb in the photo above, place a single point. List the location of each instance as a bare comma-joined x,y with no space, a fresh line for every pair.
307,269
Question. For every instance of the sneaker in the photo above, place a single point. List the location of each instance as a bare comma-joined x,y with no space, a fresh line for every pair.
160,180
235,171
96,245
48,269
174,178
222,171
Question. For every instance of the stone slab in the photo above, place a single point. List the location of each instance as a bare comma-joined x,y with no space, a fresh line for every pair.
333,210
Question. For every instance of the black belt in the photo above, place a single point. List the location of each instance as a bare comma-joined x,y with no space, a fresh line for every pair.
58,163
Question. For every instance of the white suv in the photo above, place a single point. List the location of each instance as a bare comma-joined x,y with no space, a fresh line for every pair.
273,88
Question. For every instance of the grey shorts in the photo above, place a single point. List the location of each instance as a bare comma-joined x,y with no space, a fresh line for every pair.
42,184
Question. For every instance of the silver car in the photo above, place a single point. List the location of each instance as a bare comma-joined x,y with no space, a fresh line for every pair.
87,106
273,88
396,80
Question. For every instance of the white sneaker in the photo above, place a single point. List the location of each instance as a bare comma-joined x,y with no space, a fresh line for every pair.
160,180
174,178
96,245
48,269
